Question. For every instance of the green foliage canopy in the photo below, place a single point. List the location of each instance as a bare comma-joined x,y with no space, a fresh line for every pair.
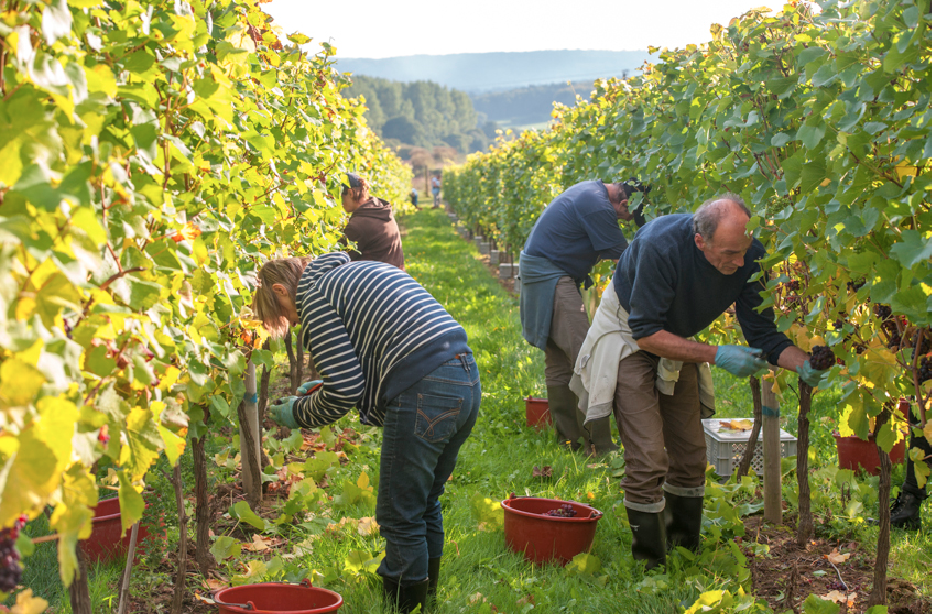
151,158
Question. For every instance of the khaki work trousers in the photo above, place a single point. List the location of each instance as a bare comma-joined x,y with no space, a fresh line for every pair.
662,435
568,329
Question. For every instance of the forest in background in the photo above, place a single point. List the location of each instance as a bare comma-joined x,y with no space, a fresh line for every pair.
528,105
421,113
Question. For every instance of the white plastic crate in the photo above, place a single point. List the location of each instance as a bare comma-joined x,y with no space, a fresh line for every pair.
724,449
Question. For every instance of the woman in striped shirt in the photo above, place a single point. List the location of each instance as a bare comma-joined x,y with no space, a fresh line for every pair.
385,346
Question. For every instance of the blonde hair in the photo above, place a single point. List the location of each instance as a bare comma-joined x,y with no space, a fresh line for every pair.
265,305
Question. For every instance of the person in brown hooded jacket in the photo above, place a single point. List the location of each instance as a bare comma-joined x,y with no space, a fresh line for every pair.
371,226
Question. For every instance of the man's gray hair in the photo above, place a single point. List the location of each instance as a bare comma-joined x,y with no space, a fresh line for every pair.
711,212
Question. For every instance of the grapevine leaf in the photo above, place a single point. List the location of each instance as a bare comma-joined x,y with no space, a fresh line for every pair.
816,605
132,505
913,249
226,547
242,511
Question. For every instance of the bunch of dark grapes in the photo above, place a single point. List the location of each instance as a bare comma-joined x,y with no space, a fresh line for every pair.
888,325
822,358
566,511
854,286
10,570
925,370
835,585
792,286
925,346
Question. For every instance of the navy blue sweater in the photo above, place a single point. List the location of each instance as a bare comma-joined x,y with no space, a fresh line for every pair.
372,332
576,230
665,283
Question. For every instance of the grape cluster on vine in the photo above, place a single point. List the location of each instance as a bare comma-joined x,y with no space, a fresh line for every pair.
565,511
822,358
925,346
888,326
854,286
925,370
10,569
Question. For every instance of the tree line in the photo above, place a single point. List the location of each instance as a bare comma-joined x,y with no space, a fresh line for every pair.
421,113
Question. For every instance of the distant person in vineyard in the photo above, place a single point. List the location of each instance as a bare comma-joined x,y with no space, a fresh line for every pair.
435,188
575,231
679,274
414,197
371,225
383,345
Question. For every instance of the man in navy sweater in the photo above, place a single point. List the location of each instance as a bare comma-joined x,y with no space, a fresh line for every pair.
679,274
384,346
575,231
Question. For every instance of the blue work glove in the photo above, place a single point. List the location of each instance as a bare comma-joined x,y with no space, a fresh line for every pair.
283,412
809,375
307,387
740,361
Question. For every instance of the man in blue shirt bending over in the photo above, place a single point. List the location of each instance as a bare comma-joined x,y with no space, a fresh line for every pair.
575,231
679,274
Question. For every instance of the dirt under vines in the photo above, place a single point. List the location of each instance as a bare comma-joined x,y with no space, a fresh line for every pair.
787,574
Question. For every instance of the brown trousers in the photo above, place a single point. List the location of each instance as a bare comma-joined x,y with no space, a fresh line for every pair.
568,330
662,435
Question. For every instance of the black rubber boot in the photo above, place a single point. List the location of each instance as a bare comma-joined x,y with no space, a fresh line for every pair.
648,541
433,576
600,436
567,419
405,598
904,513
683,519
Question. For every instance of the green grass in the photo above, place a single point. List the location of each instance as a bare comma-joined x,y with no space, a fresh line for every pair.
40,573
478,571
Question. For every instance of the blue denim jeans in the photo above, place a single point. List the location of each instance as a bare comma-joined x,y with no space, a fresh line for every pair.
424,428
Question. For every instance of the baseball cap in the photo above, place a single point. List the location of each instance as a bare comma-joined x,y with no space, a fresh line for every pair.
353,180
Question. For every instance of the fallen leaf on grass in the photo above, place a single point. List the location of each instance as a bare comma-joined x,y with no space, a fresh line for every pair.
542,472
527,599
836,596
840,597
367,526
473,599
214,583
260,543
836,558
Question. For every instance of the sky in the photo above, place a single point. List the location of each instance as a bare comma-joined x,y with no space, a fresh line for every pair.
388,28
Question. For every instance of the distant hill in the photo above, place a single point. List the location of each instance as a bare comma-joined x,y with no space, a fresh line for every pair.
527,105
481,72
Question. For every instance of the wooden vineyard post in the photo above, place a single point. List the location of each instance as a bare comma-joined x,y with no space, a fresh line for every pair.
773,494
250,438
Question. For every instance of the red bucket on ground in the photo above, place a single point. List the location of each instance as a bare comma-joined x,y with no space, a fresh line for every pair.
277,598
107,540
855,453
537,412
544,539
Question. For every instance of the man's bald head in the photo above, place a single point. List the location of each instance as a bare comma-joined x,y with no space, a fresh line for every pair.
725,208
720,226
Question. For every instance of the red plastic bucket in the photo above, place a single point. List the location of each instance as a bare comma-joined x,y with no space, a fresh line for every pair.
855,453
536,412
277,598
107,540
543,538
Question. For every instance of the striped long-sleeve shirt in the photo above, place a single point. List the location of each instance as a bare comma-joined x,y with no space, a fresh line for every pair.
372,332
